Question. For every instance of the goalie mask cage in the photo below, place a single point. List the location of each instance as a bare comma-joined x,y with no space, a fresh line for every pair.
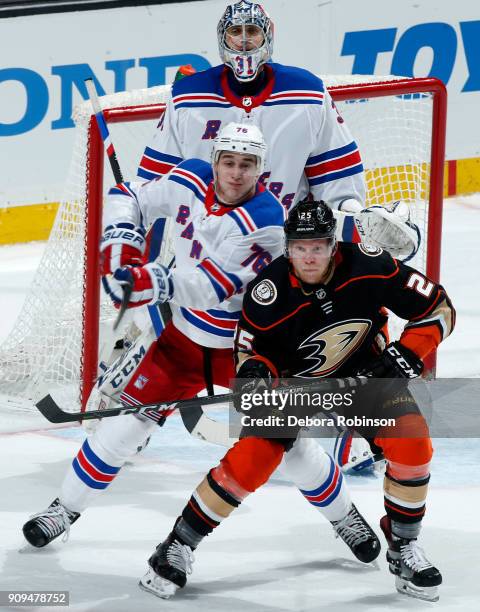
399,125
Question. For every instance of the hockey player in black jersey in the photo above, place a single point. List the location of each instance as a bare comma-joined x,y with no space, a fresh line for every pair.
319,311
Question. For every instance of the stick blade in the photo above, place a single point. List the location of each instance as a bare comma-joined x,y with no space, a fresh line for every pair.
49,408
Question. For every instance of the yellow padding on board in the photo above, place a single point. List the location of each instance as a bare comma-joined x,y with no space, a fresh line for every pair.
26,223
468,176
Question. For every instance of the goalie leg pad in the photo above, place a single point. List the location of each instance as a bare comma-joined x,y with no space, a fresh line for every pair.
352,453
117,376
166,369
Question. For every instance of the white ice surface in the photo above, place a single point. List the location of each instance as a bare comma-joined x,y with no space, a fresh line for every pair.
276,553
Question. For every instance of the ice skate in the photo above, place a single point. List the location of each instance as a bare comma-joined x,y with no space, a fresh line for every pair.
414,574
45,526
358,536
169,566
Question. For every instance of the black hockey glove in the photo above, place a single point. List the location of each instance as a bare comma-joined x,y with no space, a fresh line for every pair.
396,361
253,377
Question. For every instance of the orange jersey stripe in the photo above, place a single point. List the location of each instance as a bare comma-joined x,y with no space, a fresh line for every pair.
358,278
276,322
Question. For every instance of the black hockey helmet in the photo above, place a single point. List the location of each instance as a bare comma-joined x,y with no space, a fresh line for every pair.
310,219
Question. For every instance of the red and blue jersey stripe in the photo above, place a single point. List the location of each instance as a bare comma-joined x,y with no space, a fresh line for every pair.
333,165
258,213
195,100
217,322
91,470
328,490
224,283
349,230
295,96
190,180
244,220
154,163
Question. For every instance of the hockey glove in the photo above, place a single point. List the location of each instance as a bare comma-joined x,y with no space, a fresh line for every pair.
151,284
396,361
122,244
253,377
389,227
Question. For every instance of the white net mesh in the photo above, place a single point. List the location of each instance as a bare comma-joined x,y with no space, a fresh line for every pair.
43,352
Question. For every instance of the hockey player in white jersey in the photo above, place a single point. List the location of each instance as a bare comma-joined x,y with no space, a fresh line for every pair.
310,148
227,227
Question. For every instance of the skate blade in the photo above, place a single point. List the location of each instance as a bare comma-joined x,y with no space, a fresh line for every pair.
30,548
407,588
155,584
27,548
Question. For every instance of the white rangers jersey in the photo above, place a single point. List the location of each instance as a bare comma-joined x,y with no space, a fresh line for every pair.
219,249
310,149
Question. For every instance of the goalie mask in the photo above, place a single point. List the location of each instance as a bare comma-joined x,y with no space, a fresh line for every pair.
245,39
310,220
241,138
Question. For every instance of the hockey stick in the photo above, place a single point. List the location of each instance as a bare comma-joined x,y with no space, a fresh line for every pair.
118,176
104,132
205,428
54,413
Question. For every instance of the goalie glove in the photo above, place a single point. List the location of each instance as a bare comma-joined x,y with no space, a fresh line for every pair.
122,244
396,361
151,284
389,227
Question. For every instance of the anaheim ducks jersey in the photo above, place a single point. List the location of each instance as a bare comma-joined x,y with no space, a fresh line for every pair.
332,329
309,147
218,249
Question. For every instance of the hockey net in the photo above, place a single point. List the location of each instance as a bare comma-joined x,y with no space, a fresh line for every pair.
399,125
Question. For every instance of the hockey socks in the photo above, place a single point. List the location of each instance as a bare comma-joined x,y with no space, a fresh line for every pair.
318,478
405,499
100,459
209,504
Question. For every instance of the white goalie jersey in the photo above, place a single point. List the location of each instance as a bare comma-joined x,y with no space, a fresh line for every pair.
310,149
218,249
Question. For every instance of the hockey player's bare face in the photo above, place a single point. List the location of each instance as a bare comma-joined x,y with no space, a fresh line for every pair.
244,37
311,259
236,176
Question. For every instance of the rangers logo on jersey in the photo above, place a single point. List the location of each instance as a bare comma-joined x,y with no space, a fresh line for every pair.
333,345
